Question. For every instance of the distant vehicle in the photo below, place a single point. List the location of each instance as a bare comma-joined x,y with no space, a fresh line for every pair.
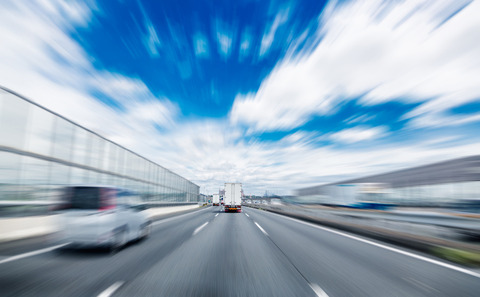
256,202
264,202
216,199
102,216
233,197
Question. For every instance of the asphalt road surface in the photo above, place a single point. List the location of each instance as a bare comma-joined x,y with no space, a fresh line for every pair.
253,253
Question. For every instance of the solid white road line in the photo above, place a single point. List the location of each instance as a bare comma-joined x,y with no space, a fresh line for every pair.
436,262
110,290
316,288
261,229
199,228
246,214
33,253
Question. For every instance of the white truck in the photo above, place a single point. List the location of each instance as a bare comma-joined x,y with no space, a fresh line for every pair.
216,200
233,197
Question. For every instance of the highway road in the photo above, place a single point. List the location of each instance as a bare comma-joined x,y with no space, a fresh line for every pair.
254,253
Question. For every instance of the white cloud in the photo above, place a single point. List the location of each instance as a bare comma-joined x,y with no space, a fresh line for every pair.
359,118
157,112
213,152
224,38
225,43
42,62
246,42
439,119
357,134
269,34
150,38
396,51
200,45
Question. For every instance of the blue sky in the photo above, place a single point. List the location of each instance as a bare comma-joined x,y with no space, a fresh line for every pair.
275,94
200,54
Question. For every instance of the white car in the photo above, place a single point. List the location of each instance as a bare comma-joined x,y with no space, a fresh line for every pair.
102,216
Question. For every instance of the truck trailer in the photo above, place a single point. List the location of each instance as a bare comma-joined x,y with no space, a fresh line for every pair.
233,197
216,200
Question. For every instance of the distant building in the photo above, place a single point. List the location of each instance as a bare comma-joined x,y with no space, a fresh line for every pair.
441,183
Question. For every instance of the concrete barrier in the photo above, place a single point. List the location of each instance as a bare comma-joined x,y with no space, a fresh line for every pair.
392,231
32,226
157,212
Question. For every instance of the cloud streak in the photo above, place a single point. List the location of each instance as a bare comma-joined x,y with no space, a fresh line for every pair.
370,52
400,51
267,39
42,62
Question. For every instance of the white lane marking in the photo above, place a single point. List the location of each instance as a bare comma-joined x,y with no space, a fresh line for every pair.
316,288
110,290
33,253
246,214
216,215
261,229
176,217
439,263
199,228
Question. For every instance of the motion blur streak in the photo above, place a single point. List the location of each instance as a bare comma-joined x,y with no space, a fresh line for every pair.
125,127
240,262
34,253
277,94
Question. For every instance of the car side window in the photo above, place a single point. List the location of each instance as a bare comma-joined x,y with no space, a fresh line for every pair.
123,199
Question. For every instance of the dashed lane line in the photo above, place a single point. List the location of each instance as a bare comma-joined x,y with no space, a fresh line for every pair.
199,228
261,229
110,290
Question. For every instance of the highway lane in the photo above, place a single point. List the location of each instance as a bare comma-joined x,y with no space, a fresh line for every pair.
89,272
255,253
346,267
229,257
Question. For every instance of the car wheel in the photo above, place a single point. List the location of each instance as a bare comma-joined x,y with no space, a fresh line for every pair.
120,240
146,230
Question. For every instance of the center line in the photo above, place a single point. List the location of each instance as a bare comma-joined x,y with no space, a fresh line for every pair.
110,290
261,229
34,253
199,228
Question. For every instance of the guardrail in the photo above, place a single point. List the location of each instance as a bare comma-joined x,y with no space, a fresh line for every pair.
436,225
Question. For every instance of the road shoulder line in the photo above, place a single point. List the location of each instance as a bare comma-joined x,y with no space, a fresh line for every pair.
396,250
32,253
